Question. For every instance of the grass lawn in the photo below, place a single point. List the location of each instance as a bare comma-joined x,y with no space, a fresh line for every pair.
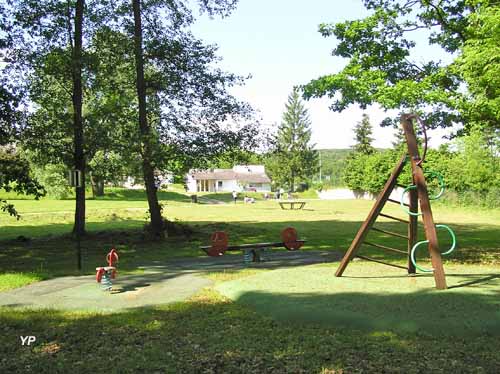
284,320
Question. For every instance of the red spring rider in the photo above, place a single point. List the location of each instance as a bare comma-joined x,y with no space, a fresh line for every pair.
111,259
105,274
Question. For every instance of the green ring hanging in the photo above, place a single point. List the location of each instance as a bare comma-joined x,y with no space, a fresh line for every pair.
453,239
412,256
452,248
441,184
407,211
431,174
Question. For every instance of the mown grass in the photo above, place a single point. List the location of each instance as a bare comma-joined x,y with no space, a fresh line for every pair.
213,334
371,297
14,280
41,239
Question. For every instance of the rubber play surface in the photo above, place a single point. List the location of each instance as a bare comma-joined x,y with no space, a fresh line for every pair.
84,293
161,283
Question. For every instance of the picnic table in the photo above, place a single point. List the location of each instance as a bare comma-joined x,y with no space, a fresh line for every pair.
292,204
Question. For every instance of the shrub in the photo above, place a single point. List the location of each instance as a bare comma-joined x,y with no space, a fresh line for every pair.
53,178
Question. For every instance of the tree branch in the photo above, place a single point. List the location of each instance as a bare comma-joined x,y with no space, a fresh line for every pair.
443,21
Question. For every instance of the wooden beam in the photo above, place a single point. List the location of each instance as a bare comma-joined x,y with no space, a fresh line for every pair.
380,262
392,233
252,246
396,202
425,206
394,218
384,247
372,216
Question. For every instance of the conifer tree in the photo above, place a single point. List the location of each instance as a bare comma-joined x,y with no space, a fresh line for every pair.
362,134
294,156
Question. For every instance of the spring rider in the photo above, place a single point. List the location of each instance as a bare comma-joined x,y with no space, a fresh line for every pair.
105,274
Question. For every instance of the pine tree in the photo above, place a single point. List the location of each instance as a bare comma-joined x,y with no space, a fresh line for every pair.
355,162
399,141
362,135
294,156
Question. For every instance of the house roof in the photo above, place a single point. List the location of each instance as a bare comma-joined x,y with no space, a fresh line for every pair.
229,174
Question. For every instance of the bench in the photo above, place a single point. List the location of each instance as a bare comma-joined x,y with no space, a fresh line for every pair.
293,205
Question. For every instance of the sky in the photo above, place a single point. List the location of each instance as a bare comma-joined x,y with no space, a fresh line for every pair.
277,42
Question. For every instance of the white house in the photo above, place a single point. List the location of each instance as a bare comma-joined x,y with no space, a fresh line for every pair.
239,178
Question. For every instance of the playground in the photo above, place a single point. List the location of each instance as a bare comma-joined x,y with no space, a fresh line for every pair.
222,294
175,309
226,186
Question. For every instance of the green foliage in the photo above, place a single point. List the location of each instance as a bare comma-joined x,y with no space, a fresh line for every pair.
476,166
15,176
107,166
362,134
9,114
479,64
382,69
332,166
54,179
353,175
471,171
369,172
236,156
293,158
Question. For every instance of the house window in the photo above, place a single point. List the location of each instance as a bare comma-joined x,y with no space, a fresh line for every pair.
219,184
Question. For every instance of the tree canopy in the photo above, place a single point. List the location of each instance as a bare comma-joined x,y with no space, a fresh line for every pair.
382,69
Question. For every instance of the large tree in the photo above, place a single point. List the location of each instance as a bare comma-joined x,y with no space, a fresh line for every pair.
183,102
381,67
36,28
293,158
144,126
110,132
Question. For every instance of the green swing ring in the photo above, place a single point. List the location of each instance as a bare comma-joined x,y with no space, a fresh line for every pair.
431,174
407,211
442,186
452,248
453,239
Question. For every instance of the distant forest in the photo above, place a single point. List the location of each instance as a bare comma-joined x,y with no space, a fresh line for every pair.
332,166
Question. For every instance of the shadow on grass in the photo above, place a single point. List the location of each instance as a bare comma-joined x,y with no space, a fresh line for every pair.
428,312
223,197
140,195
227,197
212,335
57,252
477,279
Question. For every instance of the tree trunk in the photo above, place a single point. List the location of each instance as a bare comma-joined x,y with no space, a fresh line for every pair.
97,185
79,226
149,180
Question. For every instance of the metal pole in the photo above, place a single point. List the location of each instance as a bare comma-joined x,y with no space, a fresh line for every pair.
75,180
320,176
78,251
